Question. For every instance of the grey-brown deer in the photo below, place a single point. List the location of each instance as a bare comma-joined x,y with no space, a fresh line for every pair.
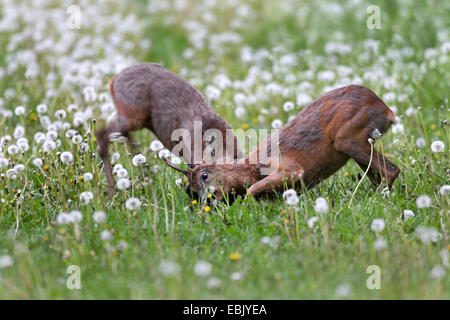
146,95
315,144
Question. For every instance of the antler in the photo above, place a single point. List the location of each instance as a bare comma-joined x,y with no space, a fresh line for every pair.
170,164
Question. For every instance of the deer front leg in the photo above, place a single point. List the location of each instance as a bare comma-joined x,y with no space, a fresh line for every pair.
275,180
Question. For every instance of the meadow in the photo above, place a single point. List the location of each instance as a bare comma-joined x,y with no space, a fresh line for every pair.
258,62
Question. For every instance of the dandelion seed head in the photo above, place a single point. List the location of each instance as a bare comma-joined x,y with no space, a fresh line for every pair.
123,183
437,146
106,235
99,216
66,157
138,160
321,206
133,204
169,268
202,268
6,261
423,201
377,225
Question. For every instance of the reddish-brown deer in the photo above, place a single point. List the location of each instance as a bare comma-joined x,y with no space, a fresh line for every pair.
311,147
146,95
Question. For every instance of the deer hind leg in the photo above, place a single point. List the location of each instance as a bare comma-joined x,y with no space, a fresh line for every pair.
380,167
120,125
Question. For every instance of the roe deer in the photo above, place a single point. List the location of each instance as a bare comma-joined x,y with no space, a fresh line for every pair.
146,95
311,147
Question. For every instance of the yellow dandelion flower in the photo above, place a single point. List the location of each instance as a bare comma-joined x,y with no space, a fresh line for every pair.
207,209
433,127
94,139
32,116
347,174
245,126
235,256
45,238
209,196
194,202
46,167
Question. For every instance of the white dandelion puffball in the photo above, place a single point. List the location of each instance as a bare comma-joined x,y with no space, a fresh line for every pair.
49,146
42,108
99,216
86,197
213,282
19,167
13,149
51,135
438,146
11,174
445,190
123,183
106,235
66,157
288,106
75,216
169,268
88,176
39,137
156,145
303,99
63,218
375,134
424,201
20,110
115,157
265,240
4,162
437,272
84,147
122,173
420,142
138,160
428,234
407,214
290,196
239,111
380,244
164,153
117,167
276,124
236,276
312,221
289,193
60,114
133,203
344,290
202,268
377,225
6,261
321,206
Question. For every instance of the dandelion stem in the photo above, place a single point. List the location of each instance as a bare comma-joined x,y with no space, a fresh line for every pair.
365,173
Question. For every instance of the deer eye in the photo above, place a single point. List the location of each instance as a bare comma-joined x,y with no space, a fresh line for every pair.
204,176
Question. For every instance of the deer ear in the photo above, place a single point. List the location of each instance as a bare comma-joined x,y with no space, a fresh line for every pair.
170,164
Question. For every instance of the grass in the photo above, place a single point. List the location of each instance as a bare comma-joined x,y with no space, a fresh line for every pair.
268,245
